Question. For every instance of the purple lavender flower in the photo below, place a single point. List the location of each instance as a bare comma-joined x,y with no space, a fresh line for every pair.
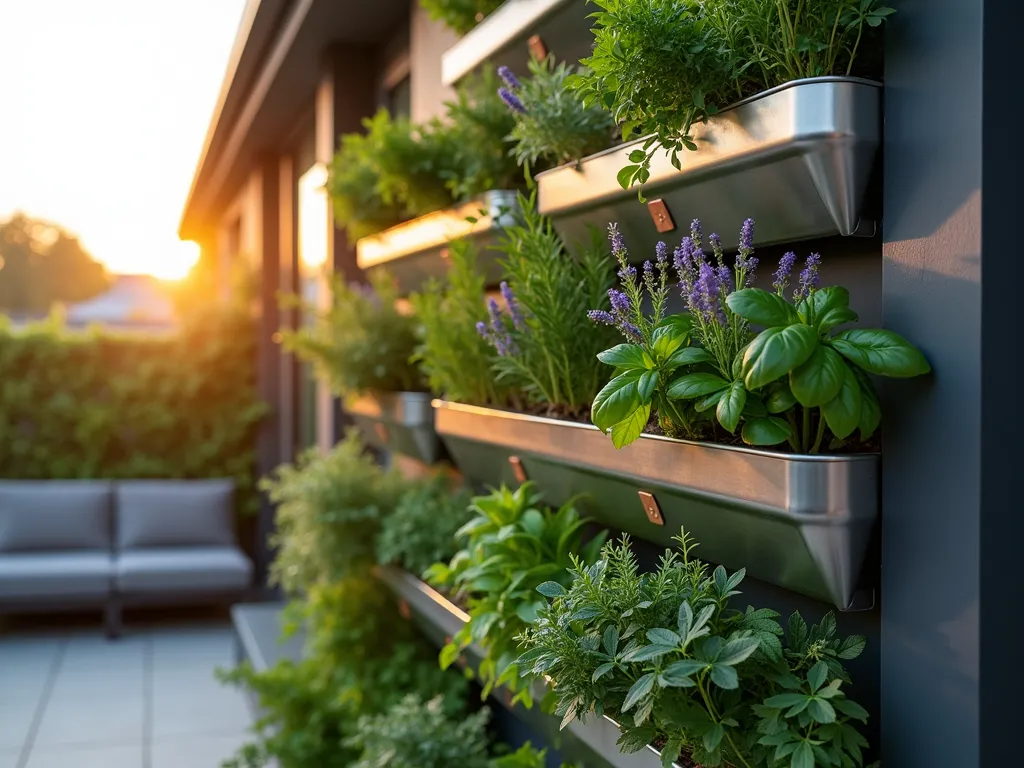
618,244
747,236
621,305
627,273
514,310
724,275
631,331
782,273
746,263
596,315
661,255
494,311
809,277
649,275
696,232
497,333
509,78
512,101
483,330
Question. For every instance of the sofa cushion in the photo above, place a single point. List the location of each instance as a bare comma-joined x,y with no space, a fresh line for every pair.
185,570
174,513
67,576
55,514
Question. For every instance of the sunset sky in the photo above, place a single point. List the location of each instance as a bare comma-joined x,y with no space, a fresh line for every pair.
105,105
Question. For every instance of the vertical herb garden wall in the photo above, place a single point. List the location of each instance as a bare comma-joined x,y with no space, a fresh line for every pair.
646,374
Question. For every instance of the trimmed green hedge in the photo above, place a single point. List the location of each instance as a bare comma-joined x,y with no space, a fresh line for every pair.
102,404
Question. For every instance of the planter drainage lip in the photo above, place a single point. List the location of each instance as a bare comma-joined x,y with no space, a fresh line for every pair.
417,249
796,158
801,522
597,736
563,27
402,422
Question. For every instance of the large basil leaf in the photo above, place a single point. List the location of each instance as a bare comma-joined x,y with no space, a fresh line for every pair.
687,356
695,385
625,356
647,384
780,397
616,401
682,323
730,406
827,308
665,340
761,307
630,428
709,402
871,408
777,351
818,380
842,412
881,352
769,431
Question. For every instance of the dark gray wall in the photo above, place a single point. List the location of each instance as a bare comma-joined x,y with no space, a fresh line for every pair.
931,282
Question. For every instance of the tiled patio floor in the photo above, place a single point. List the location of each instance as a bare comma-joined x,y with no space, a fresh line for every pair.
149,700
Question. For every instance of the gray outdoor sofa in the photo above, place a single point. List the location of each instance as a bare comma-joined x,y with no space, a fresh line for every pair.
80,544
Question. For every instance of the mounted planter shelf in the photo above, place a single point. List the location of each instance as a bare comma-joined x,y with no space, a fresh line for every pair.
592,743
796,159
418,249
402,422
802,522
519,27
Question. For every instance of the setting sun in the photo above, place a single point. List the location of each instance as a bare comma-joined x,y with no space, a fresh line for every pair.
171,263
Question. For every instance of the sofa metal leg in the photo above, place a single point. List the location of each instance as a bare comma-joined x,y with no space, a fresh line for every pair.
112,618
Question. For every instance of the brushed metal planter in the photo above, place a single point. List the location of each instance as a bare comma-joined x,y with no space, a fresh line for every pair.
417,250
508,36
402,422
796,159
802,522
592,743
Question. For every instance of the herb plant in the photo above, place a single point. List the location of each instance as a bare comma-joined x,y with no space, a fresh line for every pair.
661,65
510,547
352,187
552,126
453,356
788,384
362,343
421,531
460,15
545,347
669,658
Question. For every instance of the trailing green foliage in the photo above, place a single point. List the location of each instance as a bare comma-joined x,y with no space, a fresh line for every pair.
453,356
362,343
512,545
329,508
460,15
553,127
669,658
546,348
795,382
401,170
102,404
661,65
421,531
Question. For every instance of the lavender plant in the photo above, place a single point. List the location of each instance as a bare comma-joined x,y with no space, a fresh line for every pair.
546,348
668,656
552,126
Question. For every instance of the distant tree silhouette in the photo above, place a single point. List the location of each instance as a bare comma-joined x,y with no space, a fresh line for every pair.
42,264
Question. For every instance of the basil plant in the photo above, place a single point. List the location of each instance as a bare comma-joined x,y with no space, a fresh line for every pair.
795,382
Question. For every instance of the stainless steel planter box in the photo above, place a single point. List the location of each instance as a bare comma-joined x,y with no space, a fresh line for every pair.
802,522
417,250
398,421
503,38
796,159
592,743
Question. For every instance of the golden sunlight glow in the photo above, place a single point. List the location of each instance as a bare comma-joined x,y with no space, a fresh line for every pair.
174,264
314,217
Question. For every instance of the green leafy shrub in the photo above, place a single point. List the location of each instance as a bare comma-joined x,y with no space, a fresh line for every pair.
329,508
546,348
661,65
478,124
104,404
453,356
552,126
421,530
352,187
362,343
510,547
667,655
460,15
794,382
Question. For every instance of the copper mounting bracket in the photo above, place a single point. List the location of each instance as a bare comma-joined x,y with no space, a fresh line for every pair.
518,470
660,215
537,47
382,432
651,508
